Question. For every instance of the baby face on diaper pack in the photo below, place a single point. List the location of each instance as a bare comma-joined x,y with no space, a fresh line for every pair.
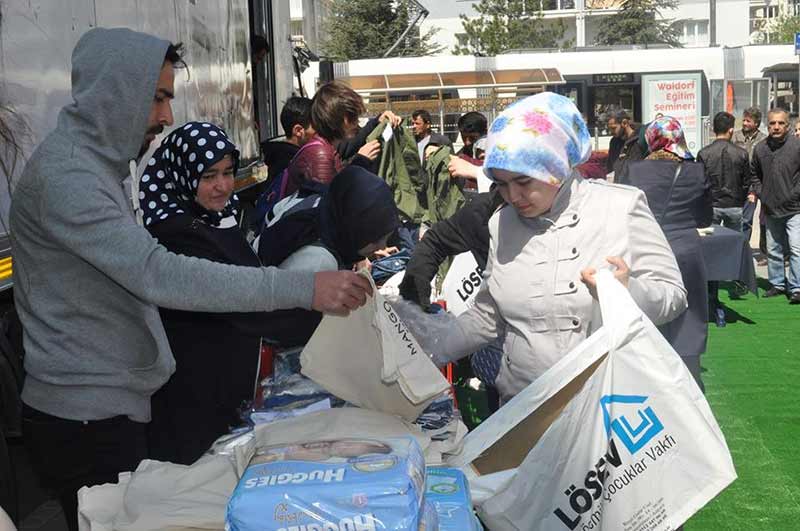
337,485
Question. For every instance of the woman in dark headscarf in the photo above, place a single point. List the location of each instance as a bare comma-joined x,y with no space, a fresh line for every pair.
188,204
679,194
352,220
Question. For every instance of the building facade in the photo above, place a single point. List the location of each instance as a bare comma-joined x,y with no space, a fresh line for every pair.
583,17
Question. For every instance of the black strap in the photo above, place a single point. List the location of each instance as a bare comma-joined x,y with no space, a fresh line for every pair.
660,218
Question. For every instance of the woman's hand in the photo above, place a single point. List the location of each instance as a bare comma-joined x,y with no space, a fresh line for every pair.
370,150
393,119
622,273
383,253
363,264
459,167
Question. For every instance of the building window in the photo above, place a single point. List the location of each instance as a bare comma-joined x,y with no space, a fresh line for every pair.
762,17
532,7
608,101
695,33
296,28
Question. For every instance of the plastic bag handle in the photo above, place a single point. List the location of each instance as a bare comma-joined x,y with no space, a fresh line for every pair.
619,311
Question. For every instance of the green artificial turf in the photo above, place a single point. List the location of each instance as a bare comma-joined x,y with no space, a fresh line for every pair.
751,377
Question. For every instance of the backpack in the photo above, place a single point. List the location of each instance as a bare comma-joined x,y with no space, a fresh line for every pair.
275,191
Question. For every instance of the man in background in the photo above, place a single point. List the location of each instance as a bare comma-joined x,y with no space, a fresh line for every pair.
631,148
775,174
296,123
617,141
747,137
421,127
727,167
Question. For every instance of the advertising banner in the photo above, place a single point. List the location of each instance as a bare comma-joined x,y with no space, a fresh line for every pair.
676,95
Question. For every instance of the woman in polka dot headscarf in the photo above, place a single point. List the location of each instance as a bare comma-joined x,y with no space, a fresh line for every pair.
191,173
186,195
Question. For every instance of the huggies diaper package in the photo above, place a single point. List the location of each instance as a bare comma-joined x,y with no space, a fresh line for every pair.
338,485
448,491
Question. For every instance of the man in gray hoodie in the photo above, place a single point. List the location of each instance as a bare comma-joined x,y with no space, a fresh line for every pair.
88,279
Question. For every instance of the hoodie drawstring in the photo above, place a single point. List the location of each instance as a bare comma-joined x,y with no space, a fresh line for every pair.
137,209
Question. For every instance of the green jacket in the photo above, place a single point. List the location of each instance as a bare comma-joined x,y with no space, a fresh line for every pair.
399,166
444,196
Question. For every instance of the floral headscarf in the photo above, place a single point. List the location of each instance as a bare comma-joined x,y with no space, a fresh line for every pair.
168,186
541,136
666,133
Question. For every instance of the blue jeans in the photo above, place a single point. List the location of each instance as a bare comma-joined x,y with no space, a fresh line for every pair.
408,235
730,217
783,237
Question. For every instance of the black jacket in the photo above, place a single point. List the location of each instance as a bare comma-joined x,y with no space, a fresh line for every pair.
727,167
775,173
631,152
680,214
216,354
466,230
689,206
614,149
277,156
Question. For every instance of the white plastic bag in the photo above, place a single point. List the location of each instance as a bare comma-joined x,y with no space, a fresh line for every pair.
616,436
371,359
462,283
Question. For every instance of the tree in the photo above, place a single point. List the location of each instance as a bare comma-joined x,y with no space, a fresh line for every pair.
507,25
782,29
640,22
366,29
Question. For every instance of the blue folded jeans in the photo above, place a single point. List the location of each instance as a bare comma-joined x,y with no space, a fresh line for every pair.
385,268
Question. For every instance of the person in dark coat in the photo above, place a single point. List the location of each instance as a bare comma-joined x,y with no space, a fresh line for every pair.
775,172
351,219
614,126
191,210
632,150
728,169
296,123
679,195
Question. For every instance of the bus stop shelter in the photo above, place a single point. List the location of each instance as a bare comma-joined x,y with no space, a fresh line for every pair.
448,95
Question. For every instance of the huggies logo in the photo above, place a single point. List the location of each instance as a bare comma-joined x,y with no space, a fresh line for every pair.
633,433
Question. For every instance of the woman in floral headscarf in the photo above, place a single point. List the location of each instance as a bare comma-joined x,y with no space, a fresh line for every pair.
679,193
555,229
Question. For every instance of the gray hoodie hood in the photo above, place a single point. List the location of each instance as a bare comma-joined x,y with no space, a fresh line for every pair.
114,77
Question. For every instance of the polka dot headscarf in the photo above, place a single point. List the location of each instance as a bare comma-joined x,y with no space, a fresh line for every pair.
169,184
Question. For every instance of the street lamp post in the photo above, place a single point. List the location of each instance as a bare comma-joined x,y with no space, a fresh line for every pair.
766,18
712,22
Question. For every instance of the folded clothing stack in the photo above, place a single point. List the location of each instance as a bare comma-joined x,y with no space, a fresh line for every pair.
344,484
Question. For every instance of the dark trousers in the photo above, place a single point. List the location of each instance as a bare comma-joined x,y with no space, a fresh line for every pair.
748,211
70,454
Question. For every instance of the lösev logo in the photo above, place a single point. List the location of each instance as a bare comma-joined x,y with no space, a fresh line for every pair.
647,427
584,504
